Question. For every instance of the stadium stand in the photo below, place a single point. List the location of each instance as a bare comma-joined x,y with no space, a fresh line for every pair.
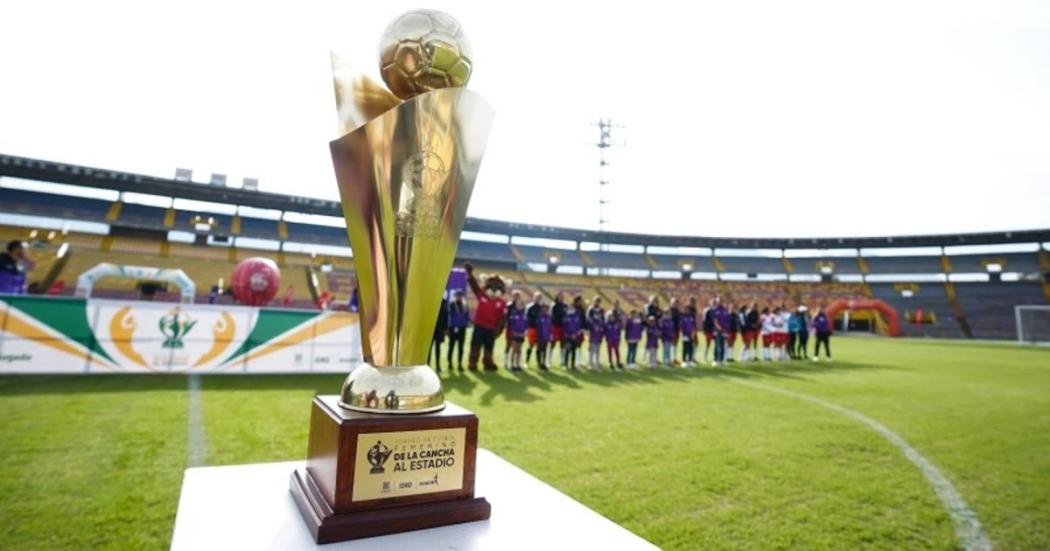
259,228
552,284
838,265
904,264
340,282
218,223
480,251
929,298
699,263
540,255
626,261
1025,263
989,307
630,297
18,201
751,265
138,235
308,233
141,215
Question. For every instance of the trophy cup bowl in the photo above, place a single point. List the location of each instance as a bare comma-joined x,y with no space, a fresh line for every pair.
405,180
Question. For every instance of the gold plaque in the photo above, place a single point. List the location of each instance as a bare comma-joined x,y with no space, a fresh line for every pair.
406,463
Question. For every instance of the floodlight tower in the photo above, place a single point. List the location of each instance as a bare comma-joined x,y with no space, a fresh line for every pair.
605,141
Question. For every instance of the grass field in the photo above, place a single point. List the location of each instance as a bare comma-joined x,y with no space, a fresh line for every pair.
687,458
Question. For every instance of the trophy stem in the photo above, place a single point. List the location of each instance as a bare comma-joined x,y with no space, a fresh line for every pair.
405,179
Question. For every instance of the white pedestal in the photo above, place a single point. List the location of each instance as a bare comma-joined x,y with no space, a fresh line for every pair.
249,507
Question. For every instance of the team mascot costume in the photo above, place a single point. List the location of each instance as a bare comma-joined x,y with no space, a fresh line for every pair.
488,316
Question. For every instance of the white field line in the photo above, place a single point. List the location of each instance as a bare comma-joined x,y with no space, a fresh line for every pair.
967,527
196,444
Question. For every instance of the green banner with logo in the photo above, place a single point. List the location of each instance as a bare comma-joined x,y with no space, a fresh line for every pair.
74,335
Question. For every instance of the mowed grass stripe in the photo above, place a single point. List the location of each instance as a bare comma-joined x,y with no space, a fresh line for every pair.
195,439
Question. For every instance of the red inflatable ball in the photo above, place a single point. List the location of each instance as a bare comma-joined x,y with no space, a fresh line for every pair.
255,281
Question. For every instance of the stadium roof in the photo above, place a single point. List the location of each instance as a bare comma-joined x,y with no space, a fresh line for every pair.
77,175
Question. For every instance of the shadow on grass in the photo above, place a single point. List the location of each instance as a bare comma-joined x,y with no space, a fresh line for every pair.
531,385
524,386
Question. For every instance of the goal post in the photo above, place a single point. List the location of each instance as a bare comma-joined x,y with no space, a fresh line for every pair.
1033,324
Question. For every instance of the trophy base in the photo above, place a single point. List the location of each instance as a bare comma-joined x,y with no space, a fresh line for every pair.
370,474
392,390
327,526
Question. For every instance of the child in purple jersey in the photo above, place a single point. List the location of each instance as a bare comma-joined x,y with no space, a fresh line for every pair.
517,323
613,327
652,340
687,326
633,333
458,321
570,328
512,304
543,335
596,331
822,327
667,336
721,321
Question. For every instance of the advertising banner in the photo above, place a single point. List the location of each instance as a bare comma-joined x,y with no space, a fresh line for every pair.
75,335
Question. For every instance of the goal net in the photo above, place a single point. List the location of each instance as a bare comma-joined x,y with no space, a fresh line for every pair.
1033,324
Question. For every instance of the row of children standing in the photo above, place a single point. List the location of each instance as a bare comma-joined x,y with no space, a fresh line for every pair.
540,327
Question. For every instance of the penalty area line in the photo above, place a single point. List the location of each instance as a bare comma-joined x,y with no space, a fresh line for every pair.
196,446
968,528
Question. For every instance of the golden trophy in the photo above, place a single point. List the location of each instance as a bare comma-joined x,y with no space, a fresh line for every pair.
389,454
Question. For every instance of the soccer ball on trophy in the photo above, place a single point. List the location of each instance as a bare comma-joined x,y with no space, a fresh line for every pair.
424,50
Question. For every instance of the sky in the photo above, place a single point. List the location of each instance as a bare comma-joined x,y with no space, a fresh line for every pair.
750,119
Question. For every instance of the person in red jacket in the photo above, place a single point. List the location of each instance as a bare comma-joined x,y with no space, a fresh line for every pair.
489,317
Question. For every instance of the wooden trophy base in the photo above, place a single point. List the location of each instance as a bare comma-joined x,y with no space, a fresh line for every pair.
374,474
328,526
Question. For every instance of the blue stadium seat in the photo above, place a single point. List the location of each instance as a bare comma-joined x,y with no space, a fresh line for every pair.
840,265
989,307
1027,263
259,228
929,298
904,264
752,265
629,261
144,215
322,235
669,262
481,250
34,203
539,254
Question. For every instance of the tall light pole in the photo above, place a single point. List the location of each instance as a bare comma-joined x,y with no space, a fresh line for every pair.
605,141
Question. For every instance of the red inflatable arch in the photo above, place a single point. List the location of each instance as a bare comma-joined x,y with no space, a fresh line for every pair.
892,319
